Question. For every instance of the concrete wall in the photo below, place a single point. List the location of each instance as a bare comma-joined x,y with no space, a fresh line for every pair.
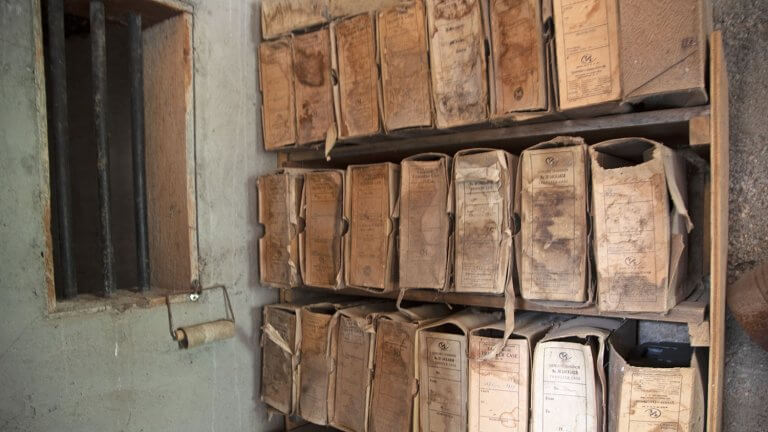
112,371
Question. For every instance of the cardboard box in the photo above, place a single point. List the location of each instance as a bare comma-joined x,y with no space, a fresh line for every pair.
279,200
568,391
320,243
312,82
458,63
664,51
425,222
394,391
641,225
553,251
588,62
405,79
442,365
518,61
280,17
483,182
353,341
344,8
655,395
499,396
280,356
317,360
369,245
278,111
357,88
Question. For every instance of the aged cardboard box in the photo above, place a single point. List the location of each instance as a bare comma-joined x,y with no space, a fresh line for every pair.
395,387
483,198
425,209
641,225
357,89
320,243
568,390
279,17
518,61
278,111
498,395
353,341
664,51
652,390
458,62
279,200
405,79
442,370
313,87
317,360
344,8
369,245
588,63
280,356
553,202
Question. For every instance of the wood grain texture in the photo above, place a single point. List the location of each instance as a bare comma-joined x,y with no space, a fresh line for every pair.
662,125
719,229
170,149
691,310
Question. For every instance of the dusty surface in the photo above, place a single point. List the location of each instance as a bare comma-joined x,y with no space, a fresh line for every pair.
746,40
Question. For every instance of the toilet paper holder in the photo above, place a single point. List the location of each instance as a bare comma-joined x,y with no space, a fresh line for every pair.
198,334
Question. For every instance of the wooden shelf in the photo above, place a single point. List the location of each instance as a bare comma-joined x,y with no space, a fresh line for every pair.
691,310
669,126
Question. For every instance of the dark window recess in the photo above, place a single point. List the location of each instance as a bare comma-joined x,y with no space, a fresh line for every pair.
95,99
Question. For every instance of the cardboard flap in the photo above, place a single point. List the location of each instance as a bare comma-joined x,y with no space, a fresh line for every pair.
657,37
279,17
465,320
364,315
531,326
422,314
583,327
675,173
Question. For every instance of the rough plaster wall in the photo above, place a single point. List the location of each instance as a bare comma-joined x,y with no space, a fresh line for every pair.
114,371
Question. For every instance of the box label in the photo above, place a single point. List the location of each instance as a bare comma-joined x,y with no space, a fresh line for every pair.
358,76
404,67
424,224
368,226
323,191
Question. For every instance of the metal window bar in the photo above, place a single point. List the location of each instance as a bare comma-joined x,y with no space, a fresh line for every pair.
136,66
60,138
60,141
99,77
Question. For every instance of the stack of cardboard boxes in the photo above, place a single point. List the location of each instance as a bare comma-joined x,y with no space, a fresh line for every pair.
350,69
370,367
447,224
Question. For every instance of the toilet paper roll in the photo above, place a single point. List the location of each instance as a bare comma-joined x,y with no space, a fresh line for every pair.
195,335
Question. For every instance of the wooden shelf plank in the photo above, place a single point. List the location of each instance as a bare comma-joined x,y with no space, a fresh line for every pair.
691,310
659,124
